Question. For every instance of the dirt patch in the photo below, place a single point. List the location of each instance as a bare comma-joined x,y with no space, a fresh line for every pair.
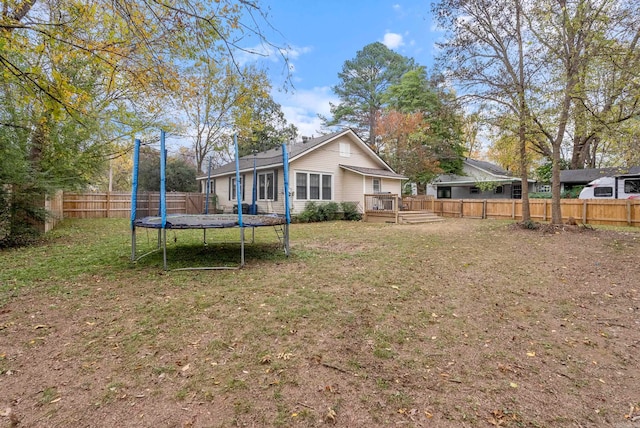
458,323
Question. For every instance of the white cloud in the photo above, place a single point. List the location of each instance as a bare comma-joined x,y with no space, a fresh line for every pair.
303,106
393,40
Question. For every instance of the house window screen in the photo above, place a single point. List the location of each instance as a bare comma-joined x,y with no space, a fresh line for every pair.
301,185
444,192
314,186
265,186
516,191
377,188
326,187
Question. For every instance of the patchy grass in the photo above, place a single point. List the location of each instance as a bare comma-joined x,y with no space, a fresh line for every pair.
460,323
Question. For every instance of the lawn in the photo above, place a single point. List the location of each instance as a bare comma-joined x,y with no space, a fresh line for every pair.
458,323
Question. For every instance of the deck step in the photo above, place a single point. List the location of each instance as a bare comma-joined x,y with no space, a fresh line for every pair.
418,217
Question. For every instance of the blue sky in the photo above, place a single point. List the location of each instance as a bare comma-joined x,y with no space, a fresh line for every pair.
323,34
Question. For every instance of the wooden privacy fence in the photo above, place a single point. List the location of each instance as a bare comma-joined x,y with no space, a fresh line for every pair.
118,204
588,211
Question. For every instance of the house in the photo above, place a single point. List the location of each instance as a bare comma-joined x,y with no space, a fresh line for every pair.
337,167
573,178
479,180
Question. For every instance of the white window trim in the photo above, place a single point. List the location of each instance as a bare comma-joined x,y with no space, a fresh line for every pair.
373,185
308,173
266,190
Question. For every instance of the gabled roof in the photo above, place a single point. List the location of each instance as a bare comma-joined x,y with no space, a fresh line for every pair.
498,174
584,176
273,157
488,167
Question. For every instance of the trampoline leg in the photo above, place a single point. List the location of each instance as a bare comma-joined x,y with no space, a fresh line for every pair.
164,248
241,246
286,239
159,238
133,244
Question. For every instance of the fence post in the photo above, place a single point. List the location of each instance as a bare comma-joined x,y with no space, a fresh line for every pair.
544,210
584,212
628,212
461,208
484,209
513,209
108,202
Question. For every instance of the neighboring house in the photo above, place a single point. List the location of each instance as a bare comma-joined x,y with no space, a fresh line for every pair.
572,178
497,183
338,167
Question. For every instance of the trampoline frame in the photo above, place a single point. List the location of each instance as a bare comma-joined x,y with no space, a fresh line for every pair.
207,221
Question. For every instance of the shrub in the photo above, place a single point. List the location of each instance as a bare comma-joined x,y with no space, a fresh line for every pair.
350,211
315,212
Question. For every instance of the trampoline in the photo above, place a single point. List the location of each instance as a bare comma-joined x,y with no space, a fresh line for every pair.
209,221
205,221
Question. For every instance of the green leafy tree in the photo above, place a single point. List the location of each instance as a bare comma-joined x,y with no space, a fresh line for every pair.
420,129
76,76
363,81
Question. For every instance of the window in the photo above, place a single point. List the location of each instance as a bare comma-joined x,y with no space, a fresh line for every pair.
474,190
301,185
377,188
266,186
544,188
516,191
326,187
444,192
345,150
632,186
499,190
233,190
313,186
603,192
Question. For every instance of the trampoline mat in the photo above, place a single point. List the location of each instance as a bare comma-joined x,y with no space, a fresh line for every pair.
209,221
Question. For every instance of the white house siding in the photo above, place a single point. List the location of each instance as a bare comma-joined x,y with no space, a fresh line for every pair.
327,160
352,188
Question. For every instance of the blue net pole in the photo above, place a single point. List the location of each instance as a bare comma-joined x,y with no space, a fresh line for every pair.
285,167
254,194
206,206
238,184
163,177
134,182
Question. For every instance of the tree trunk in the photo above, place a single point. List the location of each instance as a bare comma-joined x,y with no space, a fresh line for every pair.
522,122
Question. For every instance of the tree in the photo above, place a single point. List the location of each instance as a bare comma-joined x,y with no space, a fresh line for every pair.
76,76
363,80
485,53
421,125
405,149
180,175
261,125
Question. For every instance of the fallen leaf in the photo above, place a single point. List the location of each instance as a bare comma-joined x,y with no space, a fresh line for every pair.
55,400
266,359
513,385
428,414
531,354
185,368
330,416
